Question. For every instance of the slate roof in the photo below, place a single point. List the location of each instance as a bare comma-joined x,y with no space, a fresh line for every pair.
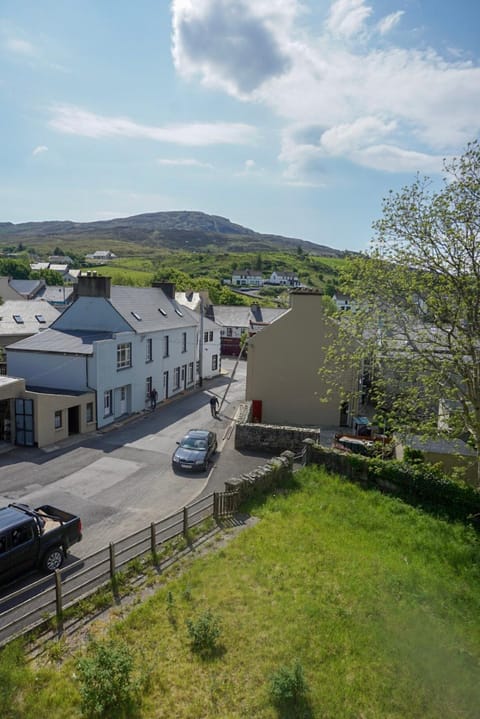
27,288
155,310
61,342
238,316
59,294
25,310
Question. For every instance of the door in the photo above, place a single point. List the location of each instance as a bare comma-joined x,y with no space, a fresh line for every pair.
24,422
123,400
184,376
73,420
165,385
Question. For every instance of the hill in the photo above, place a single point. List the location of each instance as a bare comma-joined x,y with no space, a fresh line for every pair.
185,230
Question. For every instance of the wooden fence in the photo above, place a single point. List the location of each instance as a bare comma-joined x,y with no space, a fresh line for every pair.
37,603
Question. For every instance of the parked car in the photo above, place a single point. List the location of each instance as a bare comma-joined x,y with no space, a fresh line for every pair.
35,538
195,450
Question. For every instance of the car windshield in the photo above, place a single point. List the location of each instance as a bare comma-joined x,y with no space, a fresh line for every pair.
192,443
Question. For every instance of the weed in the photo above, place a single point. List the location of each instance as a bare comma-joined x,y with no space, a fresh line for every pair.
288,686
204,633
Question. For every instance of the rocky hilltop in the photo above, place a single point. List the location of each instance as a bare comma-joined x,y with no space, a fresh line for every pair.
183,230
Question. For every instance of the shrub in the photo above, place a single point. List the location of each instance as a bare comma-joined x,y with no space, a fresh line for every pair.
204,633
288,686
107,688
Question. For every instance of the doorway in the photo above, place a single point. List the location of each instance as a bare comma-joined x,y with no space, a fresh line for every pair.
73,420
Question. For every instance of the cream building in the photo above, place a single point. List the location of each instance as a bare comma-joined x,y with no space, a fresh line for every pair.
283,364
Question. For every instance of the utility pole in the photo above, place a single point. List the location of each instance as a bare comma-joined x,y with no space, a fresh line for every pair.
200,347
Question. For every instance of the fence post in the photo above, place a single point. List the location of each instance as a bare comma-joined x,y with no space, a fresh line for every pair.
111,550
59,600
215,505
153,541
185,522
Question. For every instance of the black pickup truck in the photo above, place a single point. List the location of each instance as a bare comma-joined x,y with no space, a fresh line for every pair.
35,538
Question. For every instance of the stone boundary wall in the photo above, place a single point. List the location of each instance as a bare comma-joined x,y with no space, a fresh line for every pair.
269,437
263,478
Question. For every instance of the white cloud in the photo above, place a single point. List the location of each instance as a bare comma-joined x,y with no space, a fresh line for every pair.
347,17
19,46
388,23
40,149
387,107
183,162
77,121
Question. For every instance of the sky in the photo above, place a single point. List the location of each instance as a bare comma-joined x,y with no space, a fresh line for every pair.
291,117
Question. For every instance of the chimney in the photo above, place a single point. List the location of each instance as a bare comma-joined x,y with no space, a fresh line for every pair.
167,287
92,285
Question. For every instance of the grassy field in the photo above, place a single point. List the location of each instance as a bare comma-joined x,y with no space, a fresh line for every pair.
379,602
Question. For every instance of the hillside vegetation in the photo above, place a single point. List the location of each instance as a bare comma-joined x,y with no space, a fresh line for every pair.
377,602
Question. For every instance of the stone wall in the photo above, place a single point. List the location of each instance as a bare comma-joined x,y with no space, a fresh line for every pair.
264,478
269,437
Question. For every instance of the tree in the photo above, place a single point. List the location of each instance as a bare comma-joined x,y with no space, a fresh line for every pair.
417,300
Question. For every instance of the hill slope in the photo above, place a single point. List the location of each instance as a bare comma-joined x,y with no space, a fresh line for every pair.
169,230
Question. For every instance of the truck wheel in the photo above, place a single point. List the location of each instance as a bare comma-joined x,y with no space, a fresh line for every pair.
53,559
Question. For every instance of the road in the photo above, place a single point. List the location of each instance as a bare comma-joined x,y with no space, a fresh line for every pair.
121,480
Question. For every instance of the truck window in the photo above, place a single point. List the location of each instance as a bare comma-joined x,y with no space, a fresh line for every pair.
3,544
20,535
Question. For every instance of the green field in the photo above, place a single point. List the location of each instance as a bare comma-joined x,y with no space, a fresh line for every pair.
379,602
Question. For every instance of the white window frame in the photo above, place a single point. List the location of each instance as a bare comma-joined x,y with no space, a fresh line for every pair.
190,373
214,362
149,350
58,419
148,387
176,378
124,355
89,413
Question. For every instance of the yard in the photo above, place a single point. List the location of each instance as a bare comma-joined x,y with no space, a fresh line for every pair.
378,601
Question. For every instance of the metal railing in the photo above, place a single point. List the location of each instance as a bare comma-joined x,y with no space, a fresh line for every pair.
49,597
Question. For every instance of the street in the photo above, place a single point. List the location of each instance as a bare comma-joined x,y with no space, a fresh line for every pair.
121,480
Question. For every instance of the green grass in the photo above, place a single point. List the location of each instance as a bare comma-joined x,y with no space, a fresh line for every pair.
378,602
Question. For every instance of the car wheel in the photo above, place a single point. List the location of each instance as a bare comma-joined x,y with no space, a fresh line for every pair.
53,559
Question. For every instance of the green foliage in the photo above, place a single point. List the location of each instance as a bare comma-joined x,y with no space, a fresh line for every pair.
288,685
51,277
204,632
14,677
106,685
18,269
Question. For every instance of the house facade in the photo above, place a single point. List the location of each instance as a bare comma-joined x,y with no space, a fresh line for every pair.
283,364
111,346
239,321
247,278
288,279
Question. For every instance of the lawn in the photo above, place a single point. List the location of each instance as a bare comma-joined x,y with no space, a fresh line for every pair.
378,601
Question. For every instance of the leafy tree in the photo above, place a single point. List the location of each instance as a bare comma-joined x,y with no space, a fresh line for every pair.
51,277
19,269
417,300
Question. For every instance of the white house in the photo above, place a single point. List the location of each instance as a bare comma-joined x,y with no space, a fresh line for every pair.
289,279
101,255
119,342
247,278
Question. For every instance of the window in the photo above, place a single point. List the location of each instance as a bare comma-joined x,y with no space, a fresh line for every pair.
229,332
198,367
184,341
41,319
107,403
58,419
148,387
190,373
149,351
18,319
124,355
176,378
210,336
214,362
179,313
89,412
162,311
166,346
137,316
205,336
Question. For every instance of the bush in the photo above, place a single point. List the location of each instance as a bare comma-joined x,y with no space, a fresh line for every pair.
204,633
107,688
288,685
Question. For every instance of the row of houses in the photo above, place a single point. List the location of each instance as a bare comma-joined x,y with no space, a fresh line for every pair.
255,278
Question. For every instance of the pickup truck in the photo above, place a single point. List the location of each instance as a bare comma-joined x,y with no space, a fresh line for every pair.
35,538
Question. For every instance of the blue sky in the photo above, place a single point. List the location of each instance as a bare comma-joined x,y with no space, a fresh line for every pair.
292,117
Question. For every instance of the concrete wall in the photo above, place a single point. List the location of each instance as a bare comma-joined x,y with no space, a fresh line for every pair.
56,371
46,405
283,364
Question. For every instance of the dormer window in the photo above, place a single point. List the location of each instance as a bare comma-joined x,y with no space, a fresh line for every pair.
41,319
18,319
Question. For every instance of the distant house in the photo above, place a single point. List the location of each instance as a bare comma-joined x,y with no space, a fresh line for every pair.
11,289
60,259
247,278
289,279
283,364
236,321
343,302
101,255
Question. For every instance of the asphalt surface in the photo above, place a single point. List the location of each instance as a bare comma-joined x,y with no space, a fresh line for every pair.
122,480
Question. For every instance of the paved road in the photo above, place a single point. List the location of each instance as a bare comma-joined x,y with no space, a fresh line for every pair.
121,480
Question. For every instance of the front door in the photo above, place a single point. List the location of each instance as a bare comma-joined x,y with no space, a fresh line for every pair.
165,385
24,422
184,376
73,420
123,400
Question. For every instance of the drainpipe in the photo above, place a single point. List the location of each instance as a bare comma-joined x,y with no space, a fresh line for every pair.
200,347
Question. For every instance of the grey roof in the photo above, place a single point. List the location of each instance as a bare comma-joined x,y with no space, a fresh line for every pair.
56,293
208,324
147,303
238,316
26,287
66,342
25,310
439,445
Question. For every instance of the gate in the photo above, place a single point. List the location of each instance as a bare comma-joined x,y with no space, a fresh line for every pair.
225,503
